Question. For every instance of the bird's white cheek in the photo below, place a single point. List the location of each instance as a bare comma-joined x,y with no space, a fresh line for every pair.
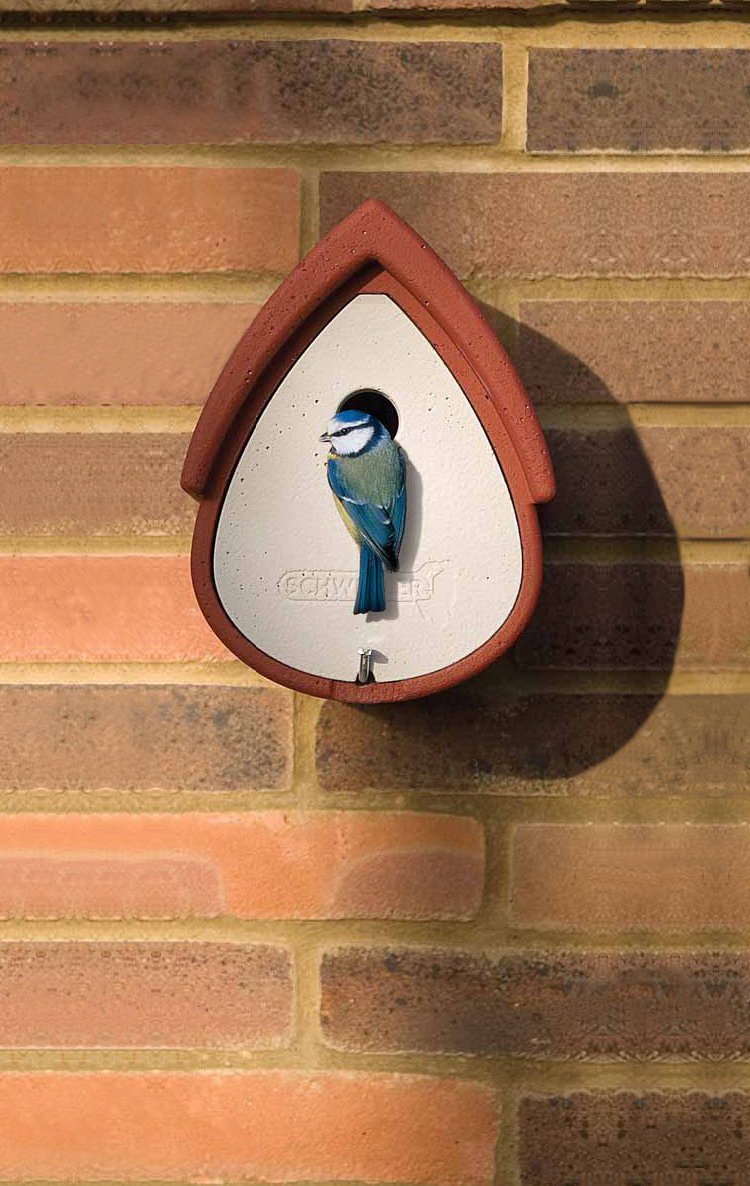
353,442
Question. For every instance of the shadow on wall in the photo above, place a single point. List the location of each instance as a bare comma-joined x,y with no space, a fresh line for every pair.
533,722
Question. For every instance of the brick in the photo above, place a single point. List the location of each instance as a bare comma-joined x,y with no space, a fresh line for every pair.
271,92
567,224
630,616
574,352
550,7
145,995
474,741
685,1138
638,100
116,353
93,484
625,481
631,876
694,482
101,608
338,6
463,5
278,1126
87,737
148,219
537,1004
268,864
282,6
176,6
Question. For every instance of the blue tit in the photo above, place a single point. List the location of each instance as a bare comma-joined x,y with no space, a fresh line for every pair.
366,474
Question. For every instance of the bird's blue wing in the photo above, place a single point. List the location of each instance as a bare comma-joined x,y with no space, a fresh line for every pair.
398,509
372,522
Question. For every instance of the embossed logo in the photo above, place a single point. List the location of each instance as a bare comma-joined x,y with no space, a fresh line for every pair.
331,585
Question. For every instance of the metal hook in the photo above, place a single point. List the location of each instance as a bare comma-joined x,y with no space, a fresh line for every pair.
365,659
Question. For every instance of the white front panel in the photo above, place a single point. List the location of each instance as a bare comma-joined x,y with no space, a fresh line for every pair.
285,566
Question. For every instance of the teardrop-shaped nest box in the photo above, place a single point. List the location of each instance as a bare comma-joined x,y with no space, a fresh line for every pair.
371,320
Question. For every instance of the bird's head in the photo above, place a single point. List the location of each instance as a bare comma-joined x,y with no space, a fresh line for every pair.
351,433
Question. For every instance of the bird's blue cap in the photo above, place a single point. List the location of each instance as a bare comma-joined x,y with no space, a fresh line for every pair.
352,416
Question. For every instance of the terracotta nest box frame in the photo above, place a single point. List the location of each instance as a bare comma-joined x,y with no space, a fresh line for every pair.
371,320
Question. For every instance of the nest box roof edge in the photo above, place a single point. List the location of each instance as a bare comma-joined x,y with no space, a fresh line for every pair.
372,233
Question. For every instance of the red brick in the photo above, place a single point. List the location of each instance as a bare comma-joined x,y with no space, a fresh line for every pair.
85,737
233,5
338,6
694,482
221,92
280,1126
268,864
630,616
689,1139
101,608
144,995
638,100
631,876
116,353
491,742
567,224
422,6
626,481
573,352
95,483
537,1004
165,7
148,219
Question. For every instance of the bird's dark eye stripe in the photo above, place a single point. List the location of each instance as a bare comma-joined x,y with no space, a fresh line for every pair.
341,432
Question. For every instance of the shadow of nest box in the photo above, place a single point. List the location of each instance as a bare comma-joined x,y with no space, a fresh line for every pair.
417,509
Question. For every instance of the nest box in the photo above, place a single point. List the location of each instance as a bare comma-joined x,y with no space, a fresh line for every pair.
435,470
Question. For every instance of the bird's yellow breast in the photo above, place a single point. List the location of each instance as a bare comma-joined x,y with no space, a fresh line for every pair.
354,533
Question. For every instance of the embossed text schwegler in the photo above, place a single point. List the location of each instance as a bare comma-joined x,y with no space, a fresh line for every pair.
331,585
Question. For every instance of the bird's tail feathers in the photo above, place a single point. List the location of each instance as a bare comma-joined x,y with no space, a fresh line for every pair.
371,588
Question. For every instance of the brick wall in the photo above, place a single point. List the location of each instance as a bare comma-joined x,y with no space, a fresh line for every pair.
515,948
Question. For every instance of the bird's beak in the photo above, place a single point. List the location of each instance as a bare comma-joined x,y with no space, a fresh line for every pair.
325,437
